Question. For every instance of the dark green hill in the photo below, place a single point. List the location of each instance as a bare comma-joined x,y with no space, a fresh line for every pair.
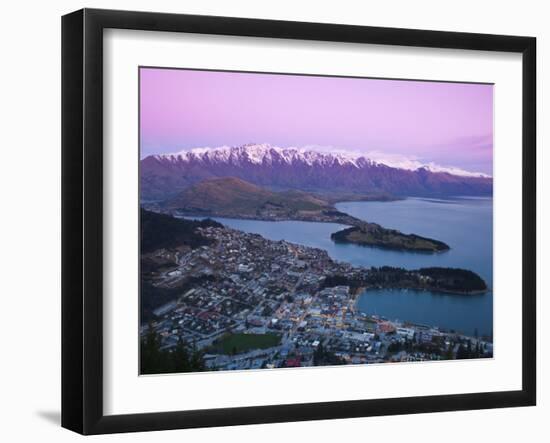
449,280
164,231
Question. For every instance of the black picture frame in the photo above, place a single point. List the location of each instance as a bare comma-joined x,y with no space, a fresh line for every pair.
82,215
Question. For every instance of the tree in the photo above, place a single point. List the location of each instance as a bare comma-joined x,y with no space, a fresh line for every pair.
180,357
197,361
318,355
395,347
462,352
449,353
154,360
323,357
151,356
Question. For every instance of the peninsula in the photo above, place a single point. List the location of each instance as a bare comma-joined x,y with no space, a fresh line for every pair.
372,234
232,197
438,279
246,302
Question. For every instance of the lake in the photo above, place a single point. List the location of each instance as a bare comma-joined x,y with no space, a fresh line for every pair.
465,224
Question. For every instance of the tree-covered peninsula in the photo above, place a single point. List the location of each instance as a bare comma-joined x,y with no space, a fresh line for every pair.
372,234
448,280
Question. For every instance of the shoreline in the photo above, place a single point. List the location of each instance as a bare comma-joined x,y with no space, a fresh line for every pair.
363,291
393,248
348,222
364,288
255,255
433,290
253,218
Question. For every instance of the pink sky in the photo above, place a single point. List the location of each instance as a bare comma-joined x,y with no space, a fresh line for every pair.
450,124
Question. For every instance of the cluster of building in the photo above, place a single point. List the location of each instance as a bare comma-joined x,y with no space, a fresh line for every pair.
246,284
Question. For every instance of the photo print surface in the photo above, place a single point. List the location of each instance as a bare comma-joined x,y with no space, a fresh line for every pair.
298,220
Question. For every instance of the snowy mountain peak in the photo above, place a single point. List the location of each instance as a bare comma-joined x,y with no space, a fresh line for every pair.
316,168
266,154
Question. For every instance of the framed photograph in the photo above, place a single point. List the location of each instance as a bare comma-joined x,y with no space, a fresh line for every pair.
268,221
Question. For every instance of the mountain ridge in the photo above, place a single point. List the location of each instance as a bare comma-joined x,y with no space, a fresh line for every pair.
164,175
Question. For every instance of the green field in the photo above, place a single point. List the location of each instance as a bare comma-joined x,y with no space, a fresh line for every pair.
237,343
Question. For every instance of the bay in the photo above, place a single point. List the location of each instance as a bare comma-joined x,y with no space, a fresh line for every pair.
465,224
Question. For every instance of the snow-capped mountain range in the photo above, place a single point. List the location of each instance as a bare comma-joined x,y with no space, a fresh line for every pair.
307,169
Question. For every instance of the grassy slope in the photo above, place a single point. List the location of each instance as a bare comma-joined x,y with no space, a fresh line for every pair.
235,196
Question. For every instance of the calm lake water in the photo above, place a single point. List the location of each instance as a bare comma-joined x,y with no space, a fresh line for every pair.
465,224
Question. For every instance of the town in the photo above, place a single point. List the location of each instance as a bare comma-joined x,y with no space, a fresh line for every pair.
258,303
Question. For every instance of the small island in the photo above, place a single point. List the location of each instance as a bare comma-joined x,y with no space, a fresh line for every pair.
372,234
